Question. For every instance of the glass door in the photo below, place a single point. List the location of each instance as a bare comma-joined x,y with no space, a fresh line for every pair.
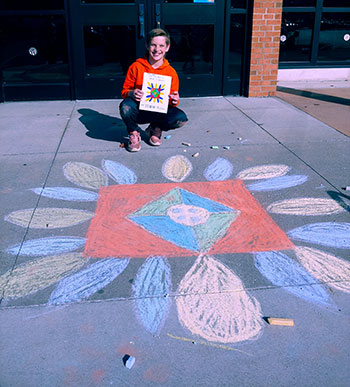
107,36
196,28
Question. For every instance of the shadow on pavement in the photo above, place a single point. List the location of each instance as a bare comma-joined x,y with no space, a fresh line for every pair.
312,94
103,127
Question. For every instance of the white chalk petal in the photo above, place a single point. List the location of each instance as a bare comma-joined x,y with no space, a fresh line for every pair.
38,274
85,175
214,305
219,170
306,207
263,172
177,168
333,271
119,172
67,193
45,218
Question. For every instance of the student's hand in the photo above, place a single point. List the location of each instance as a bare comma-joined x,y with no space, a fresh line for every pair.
174,97
136,94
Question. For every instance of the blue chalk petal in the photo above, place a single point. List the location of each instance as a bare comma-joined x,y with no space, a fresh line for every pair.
83,284
66,193
285,272
325,234
47,246
151,287
220,169
277,183
119,172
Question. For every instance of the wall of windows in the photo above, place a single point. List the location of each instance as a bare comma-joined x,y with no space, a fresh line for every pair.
315,33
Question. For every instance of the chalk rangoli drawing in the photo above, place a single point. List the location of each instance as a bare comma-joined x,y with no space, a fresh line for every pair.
184,220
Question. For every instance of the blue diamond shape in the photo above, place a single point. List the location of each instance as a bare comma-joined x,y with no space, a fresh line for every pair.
153,217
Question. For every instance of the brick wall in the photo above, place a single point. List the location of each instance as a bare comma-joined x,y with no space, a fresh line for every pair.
265,48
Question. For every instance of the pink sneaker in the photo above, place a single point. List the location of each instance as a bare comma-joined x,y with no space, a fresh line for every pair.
134,144
154,135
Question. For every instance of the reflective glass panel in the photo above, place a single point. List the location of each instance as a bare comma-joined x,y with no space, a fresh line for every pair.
192,48
236,46
31,5
299,3
334,43
106,1
336,3
296,36
238,3
34,49
109,50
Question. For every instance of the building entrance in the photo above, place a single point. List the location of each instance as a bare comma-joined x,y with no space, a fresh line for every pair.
107,38
81,49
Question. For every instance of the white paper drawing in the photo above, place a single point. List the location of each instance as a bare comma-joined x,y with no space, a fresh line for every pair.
156,90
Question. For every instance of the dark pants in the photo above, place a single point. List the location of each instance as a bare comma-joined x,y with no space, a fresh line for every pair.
132,116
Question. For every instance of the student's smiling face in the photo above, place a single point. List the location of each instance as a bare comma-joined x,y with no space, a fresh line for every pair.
157,49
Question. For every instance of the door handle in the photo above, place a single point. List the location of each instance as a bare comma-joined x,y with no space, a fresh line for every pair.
142,20
157,15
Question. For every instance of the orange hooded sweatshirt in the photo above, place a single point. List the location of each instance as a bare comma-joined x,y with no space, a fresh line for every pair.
134,76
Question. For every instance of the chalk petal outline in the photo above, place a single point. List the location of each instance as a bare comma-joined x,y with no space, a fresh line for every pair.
85,175
219,170
278,183
306,207
213,304
264,172
150,288
85,283
45,218
327,268
38,274
330,234
47,246
177,168
119,172
67,193
288,274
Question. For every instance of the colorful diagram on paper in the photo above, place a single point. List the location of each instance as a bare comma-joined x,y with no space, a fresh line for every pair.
155,93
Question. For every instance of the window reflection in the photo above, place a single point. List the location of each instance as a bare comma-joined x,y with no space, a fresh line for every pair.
336,3
334,43
238,3
34,49
236,46
31,5
299,3
109,50
296,36
192,48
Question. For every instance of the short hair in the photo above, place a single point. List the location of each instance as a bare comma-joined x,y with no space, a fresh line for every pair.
158,32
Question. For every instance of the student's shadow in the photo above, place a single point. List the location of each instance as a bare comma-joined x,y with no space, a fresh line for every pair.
103,127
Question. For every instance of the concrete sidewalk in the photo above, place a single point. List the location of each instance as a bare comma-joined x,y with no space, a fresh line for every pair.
257,227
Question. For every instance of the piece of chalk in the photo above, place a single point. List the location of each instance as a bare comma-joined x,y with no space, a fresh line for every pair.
195,154
167,137
239,138
186,144
214,147
226,147
280,321
347,188
130,362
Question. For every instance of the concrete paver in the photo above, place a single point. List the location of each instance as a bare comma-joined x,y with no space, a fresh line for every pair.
188,320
